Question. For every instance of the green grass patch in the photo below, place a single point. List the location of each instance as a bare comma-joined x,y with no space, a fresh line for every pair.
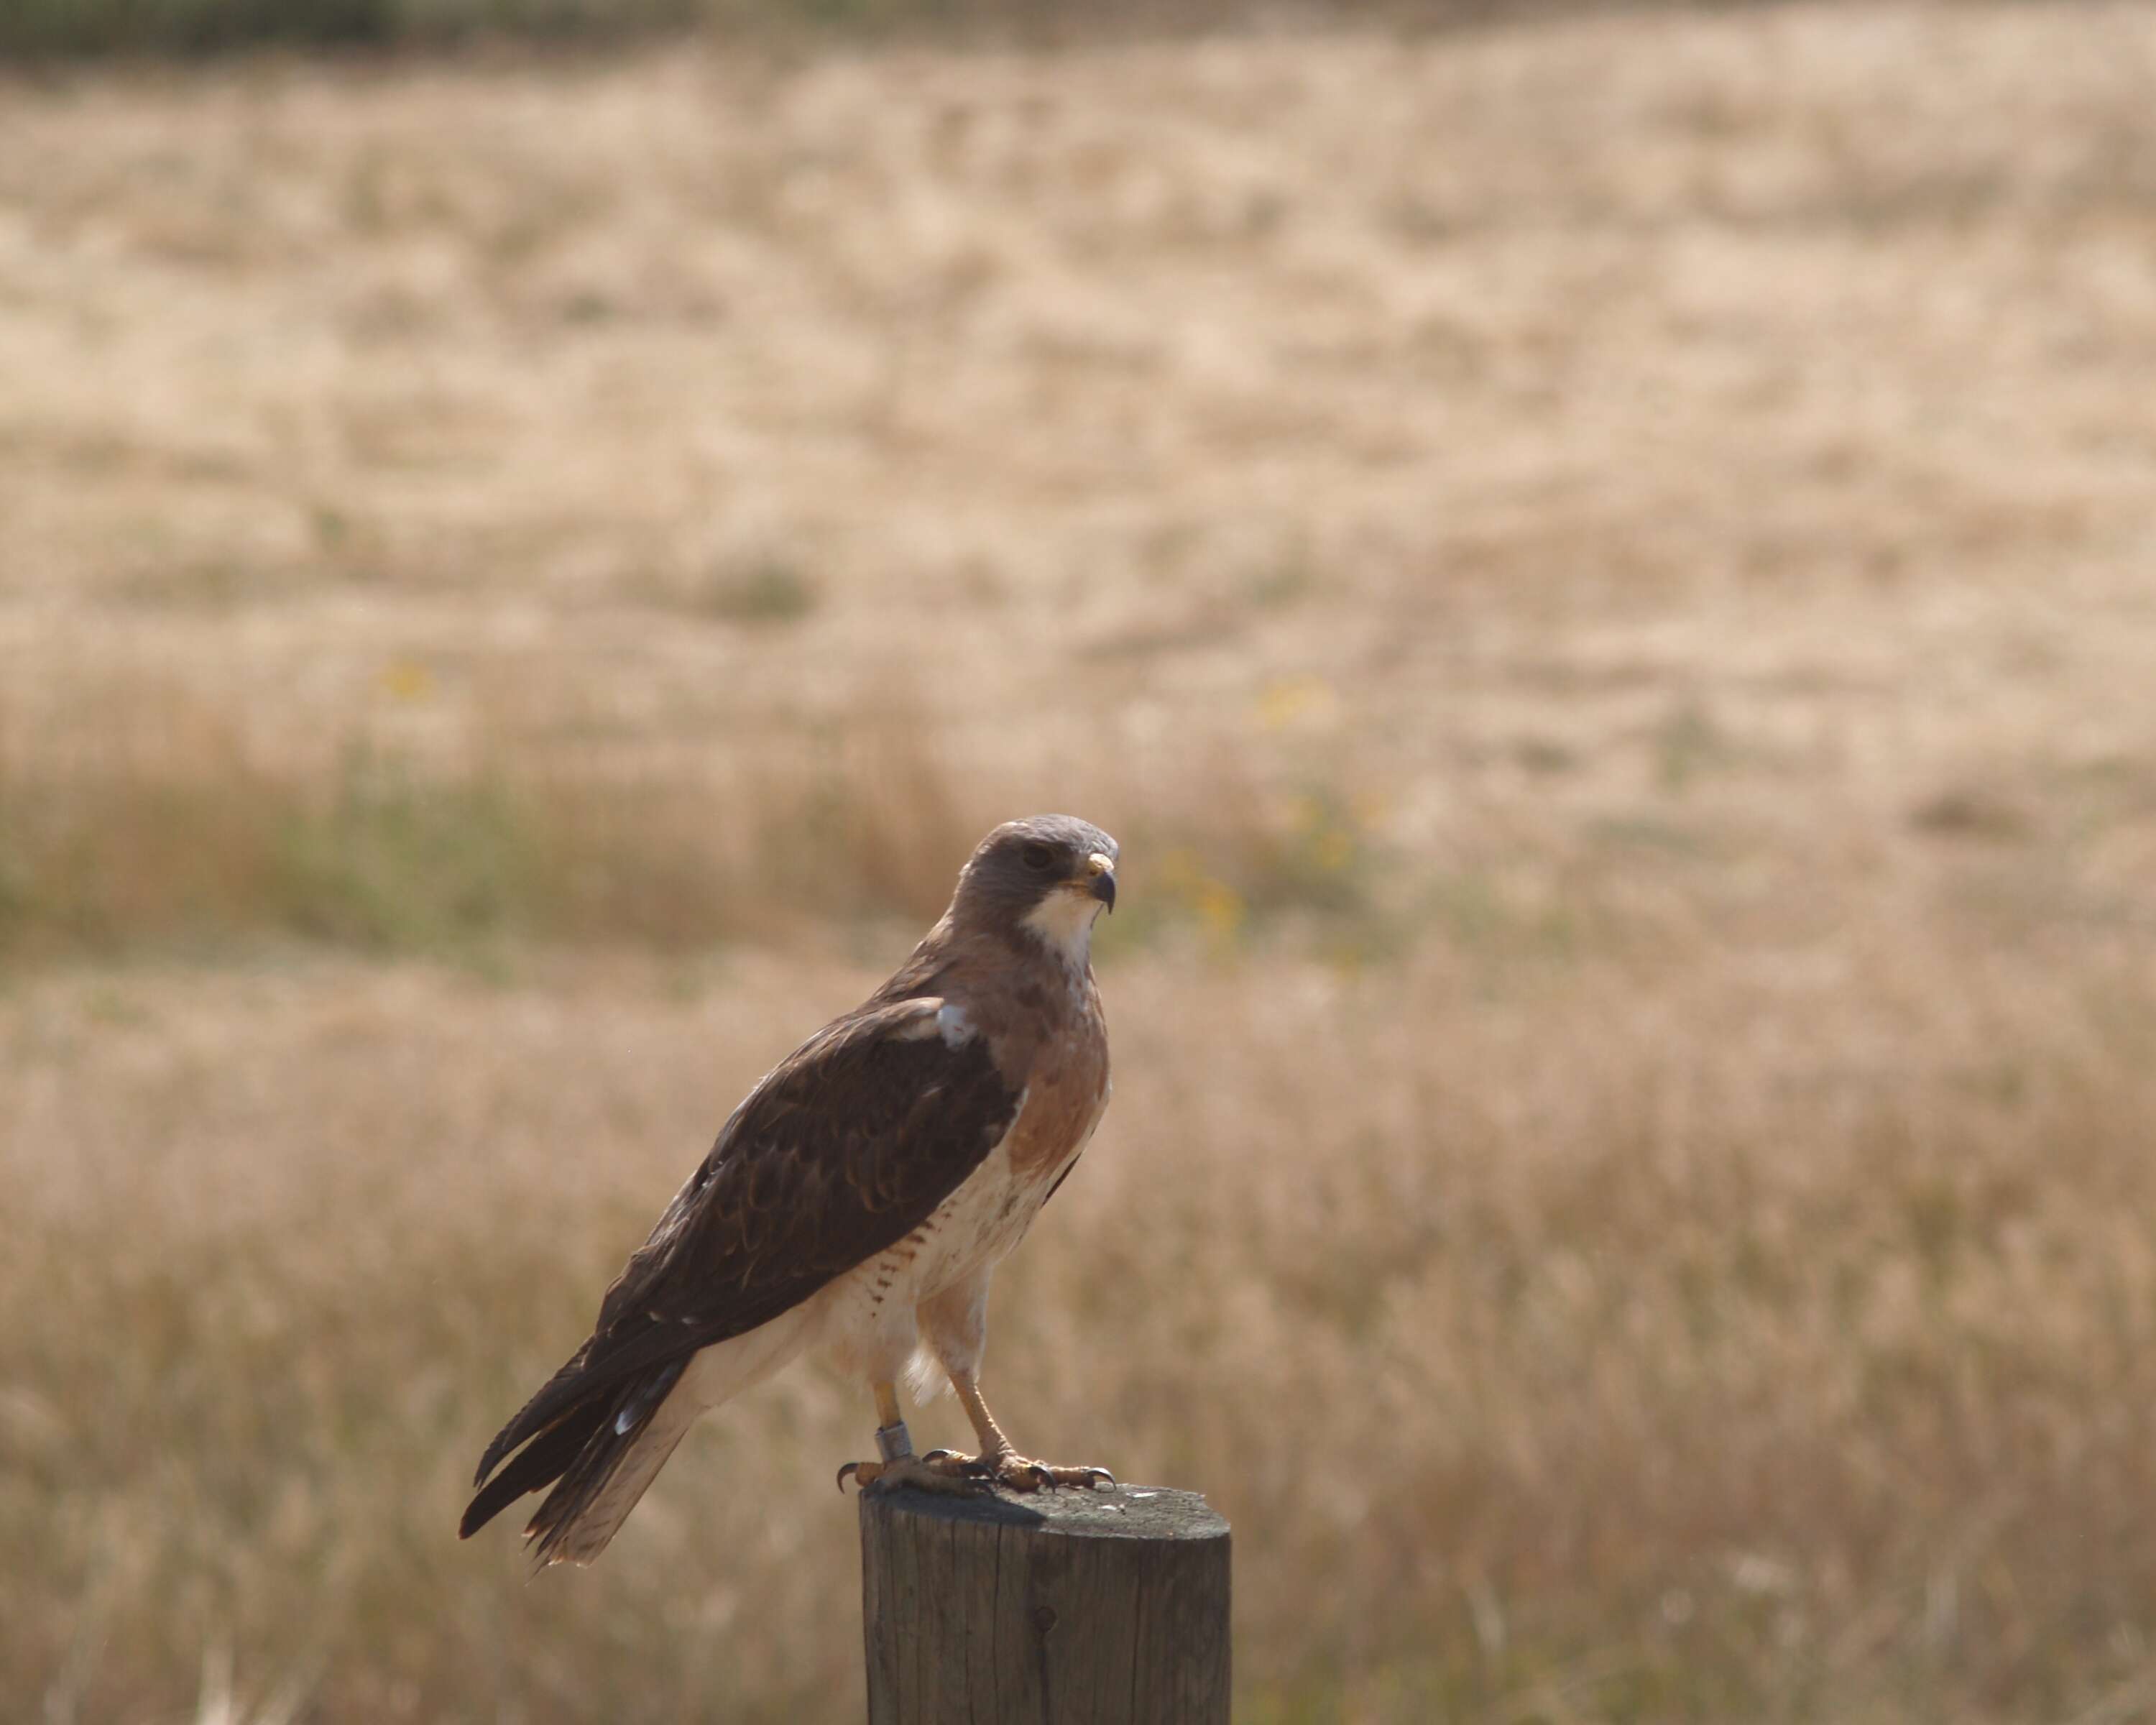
190,844
384,857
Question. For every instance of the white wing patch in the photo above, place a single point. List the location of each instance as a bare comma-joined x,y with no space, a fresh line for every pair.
938,1018
919,1024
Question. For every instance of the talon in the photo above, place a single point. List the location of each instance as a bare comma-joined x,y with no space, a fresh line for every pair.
908,1472
851,1467
953,1465
1040,1476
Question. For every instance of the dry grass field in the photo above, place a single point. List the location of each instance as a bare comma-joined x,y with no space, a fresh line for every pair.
1603,572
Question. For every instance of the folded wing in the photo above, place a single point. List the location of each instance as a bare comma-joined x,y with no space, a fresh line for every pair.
843,1149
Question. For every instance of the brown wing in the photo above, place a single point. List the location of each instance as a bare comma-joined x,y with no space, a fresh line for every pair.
843,1149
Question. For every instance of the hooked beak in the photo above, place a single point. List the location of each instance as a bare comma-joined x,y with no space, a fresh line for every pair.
1102,869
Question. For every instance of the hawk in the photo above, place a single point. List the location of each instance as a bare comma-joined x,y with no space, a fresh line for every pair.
858,1202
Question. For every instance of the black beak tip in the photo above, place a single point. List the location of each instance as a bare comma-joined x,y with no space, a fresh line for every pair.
1104,889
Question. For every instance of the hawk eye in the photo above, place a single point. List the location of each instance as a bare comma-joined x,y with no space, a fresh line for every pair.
1037,857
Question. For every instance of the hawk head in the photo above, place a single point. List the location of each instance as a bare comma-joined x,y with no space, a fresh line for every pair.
1047,876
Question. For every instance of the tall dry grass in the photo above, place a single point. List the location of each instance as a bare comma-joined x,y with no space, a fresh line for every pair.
1724,1336
1601,575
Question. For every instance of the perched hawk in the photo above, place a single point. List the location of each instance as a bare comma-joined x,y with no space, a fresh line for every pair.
859,1200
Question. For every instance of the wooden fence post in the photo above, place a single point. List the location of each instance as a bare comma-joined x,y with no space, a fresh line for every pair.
1069,1607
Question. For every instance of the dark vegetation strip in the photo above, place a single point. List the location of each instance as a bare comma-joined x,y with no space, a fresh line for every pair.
46,29
383,855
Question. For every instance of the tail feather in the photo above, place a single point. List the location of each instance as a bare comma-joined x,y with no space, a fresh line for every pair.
607,1479
538,1466
599,1442
580,1446
560,1395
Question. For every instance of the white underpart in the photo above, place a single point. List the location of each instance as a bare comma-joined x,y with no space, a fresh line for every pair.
870,1324
1064,920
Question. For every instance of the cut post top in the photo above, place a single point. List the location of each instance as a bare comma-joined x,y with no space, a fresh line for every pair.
1074,1512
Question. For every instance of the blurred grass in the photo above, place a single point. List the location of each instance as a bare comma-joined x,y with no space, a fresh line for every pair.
1770,1352
385,855
1600,575
158,825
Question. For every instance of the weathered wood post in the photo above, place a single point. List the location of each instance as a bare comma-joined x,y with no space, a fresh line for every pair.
1072,1607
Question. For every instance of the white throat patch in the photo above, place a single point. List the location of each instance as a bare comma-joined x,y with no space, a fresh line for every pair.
1064,920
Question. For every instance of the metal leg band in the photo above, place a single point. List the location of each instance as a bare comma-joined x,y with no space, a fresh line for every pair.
894,1442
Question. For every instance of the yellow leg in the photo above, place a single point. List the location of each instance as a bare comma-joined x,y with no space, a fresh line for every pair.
994,1445
898,1466
997,1461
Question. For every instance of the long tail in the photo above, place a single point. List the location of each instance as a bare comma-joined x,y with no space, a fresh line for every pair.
599,1488
599,1455
599,1440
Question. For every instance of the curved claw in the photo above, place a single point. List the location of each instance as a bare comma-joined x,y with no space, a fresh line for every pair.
958,1466
1099,1475
851,1467
1041,1476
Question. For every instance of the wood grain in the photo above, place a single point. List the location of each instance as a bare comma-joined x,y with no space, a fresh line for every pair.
1069,1608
